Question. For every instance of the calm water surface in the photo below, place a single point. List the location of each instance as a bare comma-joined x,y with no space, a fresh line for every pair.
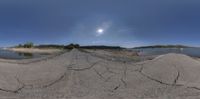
194,52
6,54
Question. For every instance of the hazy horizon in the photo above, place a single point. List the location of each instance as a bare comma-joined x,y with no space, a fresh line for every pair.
100,45
126,23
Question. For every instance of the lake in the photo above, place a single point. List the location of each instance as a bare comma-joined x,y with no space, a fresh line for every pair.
194,52
6,54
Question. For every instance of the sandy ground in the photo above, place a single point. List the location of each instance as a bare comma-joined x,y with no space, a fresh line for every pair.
84,75
35,50
197,59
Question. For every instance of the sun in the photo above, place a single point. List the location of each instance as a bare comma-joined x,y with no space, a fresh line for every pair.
100,32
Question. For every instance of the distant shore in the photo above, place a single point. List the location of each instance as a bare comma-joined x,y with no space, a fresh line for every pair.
35,50
163,46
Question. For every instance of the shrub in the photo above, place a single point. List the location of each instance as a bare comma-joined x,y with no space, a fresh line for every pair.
71,46
28,45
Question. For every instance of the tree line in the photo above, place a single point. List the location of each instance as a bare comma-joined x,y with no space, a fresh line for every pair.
31,45
69,46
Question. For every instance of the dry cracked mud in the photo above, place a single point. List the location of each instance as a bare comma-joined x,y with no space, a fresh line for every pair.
83,75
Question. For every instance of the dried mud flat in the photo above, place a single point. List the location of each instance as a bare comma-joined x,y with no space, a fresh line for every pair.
84,75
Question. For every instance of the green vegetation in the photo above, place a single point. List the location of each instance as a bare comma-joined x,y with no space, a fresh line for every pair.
31,45
50,46
71,46
26,45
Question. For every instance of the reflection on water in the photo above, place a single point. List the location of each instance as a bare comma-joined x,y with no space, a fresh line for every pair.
30,55
6,54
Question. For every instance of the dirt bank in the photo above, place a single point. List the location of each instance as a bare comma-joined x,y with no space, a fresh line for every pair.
34,50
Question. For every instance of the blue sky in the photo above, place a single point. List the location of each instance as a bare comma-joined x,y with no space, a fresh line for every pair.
125,23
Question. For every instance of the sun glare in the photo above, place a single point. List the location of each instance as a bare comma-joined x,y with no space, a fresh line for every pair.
100,32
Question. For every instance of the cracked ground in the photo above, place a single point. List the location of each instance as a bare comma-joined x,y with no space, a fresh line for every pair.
80,74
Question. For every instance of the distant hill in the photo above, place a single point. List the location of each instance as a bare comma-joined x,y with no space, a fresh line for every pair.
163,46
70,46
50,46
101,47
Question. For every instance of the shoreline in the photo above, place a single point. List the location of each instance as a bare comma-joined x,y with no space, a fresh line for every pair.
35,50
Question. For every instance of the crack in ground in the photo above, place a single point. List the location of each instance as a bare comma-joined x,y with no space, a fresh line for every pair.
158,81
10,91
124,82
117,87
178,75
124,75
23,85
45,86
108,69
151,78
52,83
107,79
99,74
105,57
56,81
164,83
61,77
154,79
14,91
82,69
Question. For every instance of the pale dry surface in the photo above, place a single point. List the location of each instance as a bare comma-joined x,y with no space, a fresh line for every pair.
80,74
35,50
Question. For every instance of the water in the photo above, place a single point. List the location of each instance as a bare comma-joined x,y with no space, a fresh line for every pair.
194,52
6,54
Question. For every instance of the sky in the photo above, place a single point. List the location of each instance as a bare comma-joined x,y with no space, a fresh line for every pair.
126,23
